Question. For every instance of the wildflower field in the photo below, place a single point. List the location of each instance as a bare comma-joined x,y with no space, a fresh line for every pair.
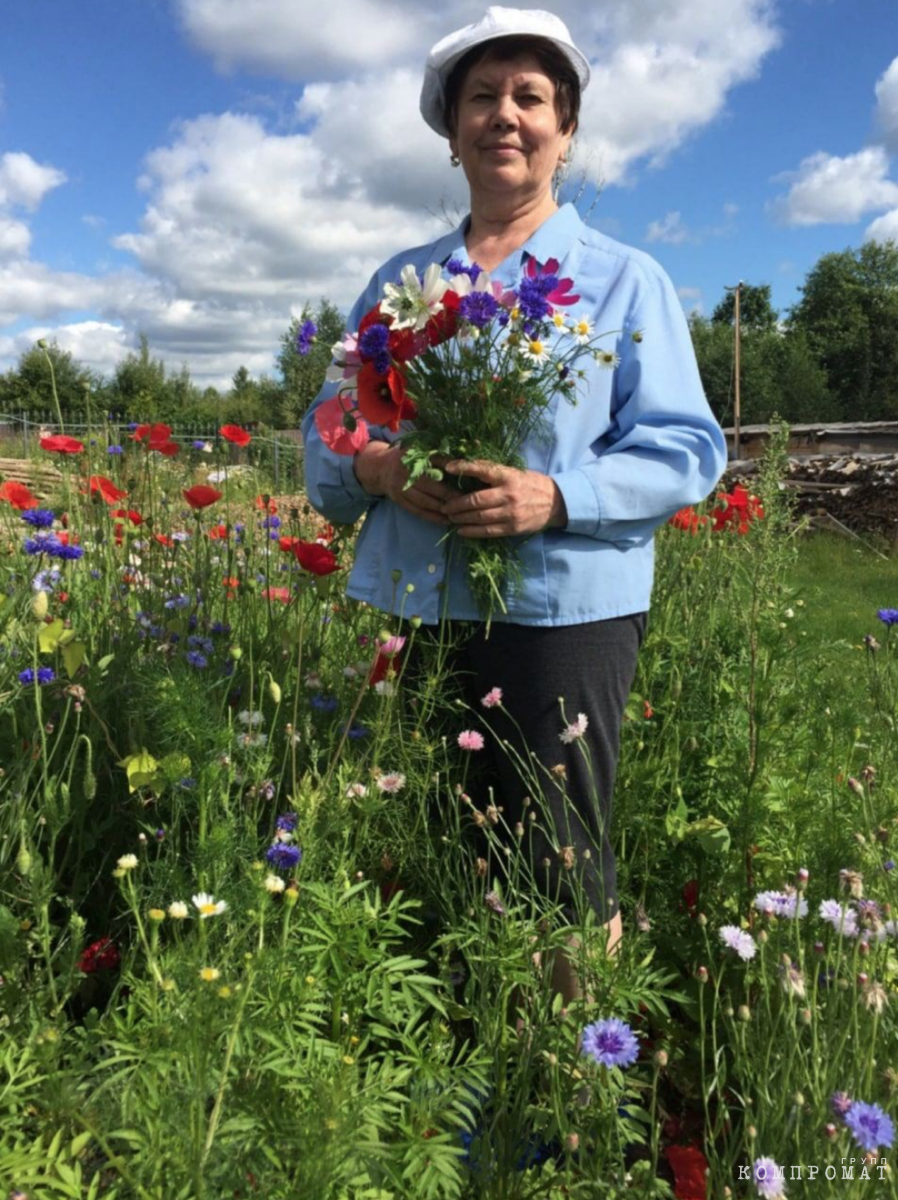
262,934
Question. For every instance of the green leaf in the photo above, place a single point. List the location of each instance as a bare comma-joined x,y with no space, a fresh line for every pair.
49,635
73,656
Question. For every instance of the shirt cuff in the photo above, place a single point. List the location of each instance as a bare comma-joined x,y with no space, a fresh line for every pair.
353,488
580,500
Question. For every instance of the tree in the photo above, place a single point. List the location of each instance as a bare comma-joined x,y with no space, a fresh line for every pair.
755,310
849,314
136,389
29,387
303,375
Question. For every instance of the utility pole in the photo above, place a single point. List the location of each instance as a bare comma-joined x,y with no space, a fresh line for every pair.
737,410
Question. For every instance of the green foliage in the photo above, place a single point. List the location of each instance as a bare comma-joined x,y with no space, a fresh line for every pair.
849,315
303,375
756,313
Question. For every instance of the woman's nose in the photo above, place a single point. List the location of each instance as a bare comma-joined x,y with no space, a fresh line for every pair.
505,112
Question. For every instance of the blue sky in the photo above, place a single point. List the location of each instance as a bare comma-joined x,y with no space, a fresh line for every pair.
200,169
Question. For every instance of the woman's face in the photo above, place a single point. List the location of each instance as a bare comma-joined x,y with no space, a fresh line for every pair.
507,134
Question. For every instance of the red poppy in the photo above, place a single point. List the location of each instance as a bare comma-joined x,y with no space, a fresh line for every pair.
169,449
140,433
131,514
289,544
276,593
382,399
60,443
689,1167
218,533
233,433
62,597
318,560
231,582
444,325
102,955
201,496
325,535
688,520
17,494
739,510
690,897
163,539
647,711
66,538
268,505
107,489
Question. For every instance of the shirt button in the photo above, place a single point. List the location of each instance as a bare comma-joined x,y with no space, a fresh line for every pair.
431,568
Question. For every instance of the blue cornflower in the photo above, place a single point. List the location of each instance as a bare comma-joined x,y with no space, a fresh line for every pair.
306,336
69,553
888,616
132,425
889,866
456,267
871,1126
478,308
115,450
177,601
96,574
324,703
43,544
198,444
40,518
239,527
44,675
197,642
504,317
287,822
284,856
532,296
187,784
374,347
180,535
273,522
357,731
611,1043
219,627
196,659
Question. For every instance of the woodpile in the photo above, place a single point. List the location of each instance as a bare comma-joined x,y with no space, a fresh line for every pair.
41,477
856,491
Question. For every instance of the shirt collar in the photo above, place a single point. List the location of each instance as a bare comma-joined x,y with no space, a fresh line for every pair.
554,239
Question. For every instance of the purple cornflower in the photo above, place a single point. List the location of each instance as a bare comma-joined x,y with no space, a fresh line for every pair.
738,940
69,552
611,1043
888,616
284,856
843,920
781,904
44,543
324,703
44,675
177,602
198,444
305,337
114,450
532,296
769,1178
374,347
870,1126
197,660
478,308
197,642
287,822
40,518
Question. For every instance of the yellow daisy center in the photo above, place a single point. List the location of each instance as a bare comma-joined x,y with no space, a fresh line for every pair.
536,348
583,326
207,909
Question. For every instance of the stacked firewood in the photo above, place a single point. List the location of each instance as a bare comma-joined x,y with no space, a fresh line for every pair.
858,491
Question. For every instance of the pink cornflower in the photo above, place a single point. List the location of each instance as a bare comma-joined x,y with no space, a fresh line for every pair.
393,782
392,645
470,739
574,731
492,698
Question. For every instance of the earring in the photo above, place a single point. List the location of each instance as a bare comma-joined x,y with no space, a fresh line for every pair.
454,159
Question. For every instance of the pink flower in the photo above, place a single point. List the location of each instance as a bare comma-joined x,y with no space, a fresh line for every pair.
492,698
392,782
329,418
574,731
392,646
470,739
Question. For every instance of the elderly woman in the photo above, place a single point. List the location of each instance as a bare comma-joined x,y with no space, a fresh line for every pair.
640,444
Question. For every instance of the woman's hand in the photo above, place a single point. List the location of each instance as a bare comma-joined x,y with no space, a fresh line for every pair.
513,502
379,470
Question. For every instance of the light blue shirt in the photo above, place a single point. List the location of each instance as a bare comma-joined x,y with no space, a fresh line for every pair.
640,443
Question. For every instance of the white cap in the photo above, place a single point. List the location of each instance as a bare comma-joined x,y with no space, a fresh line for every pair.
495,23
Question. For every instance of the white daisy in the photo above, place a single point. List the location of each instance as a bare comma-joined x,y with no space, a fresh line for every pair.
178,910
127,862
582,330
535,351
207,905
607,359
274,883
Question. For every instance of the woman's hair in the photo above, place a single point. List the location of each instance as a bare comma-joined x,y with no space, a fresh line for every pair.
554,62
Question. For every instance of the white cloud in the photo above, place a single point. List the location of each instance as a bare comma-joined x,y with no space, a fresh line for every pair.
15,238
887,105
689,293
669,229
96,344
883,228
826,188
24,182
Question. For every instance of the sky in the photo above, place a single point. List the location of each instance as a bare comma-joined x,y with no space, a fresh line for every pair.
199,170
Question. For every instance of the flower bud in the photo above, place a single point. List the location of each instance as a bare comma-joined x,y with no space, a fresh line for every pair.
802,875
23,860
236,653
830,1130
395,575
40,605
274,690
743,1012
660,1059
572,1142
702,974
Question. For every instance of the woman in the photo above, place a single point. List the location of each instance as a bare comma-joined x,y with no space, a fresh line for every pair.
640,444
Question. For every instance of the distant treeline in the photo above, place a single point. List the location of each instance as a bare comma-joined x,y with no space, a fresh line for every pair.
832,357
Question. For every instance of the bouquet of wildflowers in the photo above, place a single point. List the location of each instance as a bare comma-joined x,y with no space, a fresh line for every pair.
465,369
